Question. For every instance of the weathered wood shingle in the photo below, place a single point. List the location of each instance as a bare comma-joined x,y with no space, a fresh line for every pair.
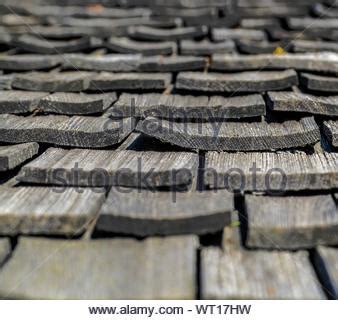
146,213
28,210
188,107
324,62
234,136
331,131
102,269
12,156
28,62
300,102
70,81
86,167
77,131
241,274
318,82
266,171
76,104
129,81
291,222
237,82
5,249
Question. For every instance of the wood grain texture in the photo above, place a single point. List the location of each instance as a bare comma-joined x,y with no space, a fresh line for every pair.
323,62
17,101
150,33
76,104
300,102
146,48
106,167
291,222
318,82
145,213
102,269
326,263
30,210
77,131
28,62
129,81
13,156
237,82
274,171
71,81
188,107
241,274
331,131
234,136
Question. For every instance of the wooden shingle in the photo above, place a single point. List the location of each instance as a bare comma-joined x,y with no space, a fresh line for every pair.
331,131
28,62
269,171
241,274
301,102
324,62
130,81
13,156
188,107
102,269
206,47
318,82
145,213
5,249
234,136
237,82
84,167
28,210
76,103
77,131
291,222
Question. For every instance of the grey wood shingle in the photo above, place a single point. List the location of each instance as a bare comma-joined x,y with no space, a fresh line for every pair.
77,131
76,104
12,156
101,269
28,62
71,81
146,213
318,82
109,62
303,46
324,62
241,274
300,102
291,222
146,48
237,82
234,136
301,23
30,210
5,249
206,47
326,262
130,81
256,47
188,107
106,167
150,33
17,101
36,44
279,171
331,131
221,34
